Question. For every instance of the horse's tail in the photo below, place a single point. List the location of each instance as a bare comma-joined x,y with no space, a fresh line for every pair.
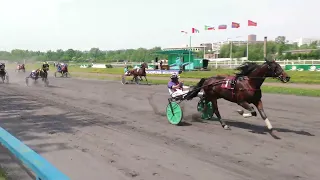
195,91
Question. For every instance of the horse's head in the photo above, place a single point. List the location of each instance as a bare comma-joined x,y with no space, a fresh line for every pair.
276,71
144,65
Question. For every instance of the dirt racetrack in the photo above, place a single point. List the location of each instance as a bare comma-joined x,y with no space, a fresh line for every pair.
92,129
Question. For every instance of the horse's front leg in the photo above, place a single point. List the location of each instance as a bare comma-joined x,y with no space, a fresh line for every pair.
216,111
259,106
246,106
146,79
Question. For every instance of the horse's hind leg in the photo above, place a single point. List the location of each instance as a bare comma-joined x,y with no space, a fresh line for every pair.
216,111
246,106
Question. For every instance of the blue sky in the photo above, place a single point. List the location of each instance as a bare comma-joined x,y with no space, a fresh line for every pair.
122,24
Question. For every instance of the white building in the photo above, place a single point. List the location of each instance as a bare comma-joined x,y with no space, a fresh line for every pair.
302,41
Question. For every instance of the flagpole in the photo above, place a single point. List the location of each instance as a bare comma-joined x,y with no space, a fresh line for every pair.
250,23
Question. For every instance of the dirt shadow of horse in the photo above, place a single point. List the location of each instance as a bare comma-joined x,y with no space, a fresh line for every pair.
258,129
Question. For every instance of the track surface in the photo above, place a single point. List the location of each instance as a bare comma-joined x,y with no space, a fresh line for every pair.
94,129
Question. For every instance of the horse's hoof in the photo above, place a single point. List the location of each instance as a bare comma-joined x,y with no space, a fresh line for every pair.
240,112
226,127
273,133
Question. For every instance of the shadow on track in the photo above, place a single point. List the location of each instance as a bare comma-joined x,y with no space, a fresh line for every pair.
262,129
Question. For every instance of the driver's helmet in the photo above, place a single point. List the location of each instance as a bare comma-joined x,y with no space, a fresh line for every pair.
174,76
45,62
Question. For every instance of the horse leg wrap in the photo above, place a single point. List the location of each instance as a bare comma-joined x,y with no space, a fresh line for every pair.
246,115
250,114
268,123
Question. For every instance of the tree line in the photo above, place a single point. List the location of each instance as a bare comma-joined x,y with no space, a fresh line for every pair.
93,55
275,49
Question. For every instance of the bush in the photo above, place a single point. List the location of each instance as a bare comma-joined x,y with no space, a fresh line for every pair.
109,66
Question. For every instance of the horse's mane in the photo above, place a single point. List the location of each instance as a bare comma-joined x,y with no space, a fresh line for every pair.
247,68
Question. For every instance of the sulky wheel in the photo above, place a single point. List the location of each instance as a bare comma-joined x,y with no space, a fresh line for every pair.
208,114
174,113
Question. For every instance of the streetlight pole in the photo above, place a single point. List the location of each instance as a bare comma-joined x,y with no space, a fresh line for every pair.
230,52
189,51
236,61
247,49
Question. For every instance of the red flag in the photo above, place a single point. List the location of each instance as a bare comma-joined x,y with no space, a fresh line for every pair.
235,25
251,23
194,30
223,26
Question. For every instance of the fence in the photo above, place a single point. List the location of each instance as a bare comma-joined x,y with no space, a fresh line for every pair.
227,64
40,167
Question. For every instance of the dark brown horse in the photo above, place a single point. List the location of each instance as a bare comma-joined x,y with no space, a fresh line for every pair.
243,89
141,72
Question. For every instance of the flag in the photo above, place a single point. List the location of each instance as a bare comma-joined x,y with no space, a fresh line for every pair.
223,26
235,25
185,32
194,30
208,28
251,23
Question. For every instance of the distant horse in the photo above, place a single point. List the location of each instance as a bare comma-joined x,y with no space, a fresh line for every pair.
20,67
141,72
243,89
3,73
62,69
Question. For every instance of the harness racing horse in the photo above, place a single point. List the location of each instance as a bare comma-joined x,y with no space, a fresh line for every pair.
141,72
243,89
39,73
63,69
20,67
3,74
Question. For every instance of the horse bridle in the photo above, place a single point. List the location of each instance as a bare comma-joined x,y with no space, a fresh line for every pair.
274,74
279,76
